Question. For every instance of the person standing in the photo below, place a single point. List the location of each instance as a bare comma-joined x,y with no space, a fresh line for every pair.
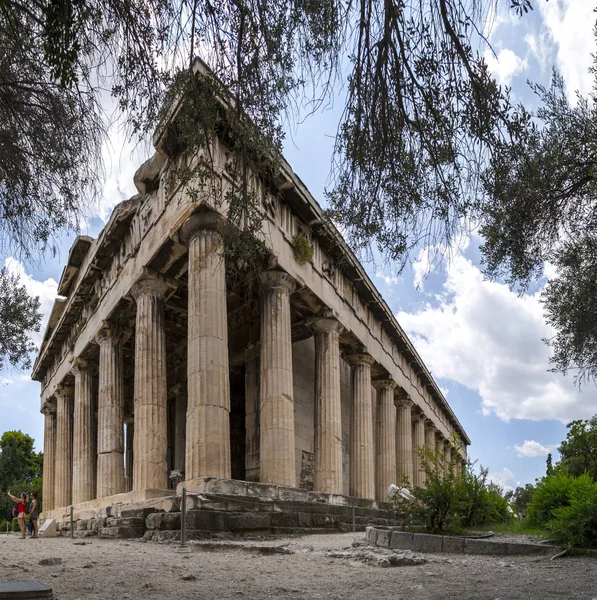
33,512
21,511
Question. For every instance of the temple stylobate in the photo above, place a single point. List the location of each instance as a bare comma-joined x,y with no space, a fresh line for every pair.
159,367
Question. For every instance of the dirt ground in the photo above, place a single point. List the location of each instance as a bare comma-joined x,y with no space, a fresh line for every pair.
323,566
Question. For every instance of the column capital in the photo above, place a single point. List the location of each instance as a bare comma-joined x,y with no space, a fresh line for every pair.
277,279
429,424
64,390
200,221
48,408
326,324
403,399
419,416
111,331
81,365
152,283
359,359
379,384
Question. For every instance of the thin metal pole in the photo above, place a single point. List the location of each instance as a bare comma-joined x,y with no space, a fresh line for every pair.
354,525
72,522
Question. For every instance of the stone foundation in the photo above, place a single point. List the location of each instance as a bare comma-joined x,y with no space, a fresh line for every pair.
223,505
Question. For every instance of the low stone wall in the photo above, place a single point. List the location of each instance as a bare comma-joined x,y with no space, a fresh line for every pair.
388,537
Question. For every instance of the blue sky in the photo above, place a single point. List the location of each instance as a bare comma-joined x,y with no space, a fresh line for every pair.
481,341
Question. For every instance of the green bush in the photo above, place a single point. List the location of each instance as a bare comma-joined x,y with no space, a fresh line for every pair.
553,493
454,498
575,525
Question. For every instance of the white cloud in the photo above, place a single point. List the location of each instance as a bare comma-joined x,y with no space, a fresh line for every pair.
388,279
504,478
532,449
45,290
480,334
569,23
505,66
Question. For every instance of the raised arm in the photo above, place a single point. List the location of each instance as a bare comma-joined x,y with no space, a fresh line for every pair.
14,498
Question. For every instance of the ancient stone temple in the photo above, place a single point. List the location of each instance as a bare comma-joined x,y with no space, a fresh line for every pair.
157,372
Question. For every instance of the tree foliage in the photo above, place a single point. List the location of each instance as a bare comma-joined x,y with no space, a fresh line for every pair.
579,450
20,468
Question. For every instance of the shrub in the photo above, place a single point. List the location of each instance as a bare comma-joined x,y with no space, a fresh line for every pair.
553,493
454,498
575,525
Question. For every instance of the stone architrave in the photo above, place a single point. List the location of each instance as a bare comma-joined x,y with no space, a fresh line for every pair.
64,448
276,394
150,443
419,477
110,414
328,405
83,430
386,437
404,440
49,480
361,439
208,382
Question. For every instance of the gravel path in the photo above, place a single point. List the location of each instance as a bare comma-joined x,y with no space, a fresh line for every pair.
323,566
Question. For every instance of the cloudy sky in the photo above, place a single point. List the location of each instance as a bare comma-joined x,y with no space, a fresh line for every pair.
481,341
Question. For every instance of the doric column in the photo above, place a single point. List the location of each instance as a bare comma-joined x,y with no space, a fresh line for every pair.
447,456
64,446
404,439
129,439
150,443
418,443
49,474
430,430
208,382
386,437
110,415
361,438
252,419
328,404
83,429
276,394
180,429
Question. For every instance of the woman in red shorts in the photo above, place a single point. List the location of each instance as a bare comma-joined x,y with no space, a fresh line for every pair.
21,509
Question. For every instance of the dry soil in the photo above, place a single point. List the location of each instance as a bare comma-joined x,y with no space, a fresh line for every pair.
324,566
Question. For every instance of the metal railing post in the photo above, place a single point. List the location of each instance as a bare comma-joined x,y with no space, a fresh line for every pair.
72,522
183,523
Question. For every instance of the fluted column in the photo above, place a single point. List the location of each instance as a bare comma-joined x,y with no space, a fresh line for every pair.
419,476
276,394
252,418
386,437
64,446
328,404
430,430
49,474
404,440
150,442
447,456
361,438
83,428
130,436
110,415
180,430
208,382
